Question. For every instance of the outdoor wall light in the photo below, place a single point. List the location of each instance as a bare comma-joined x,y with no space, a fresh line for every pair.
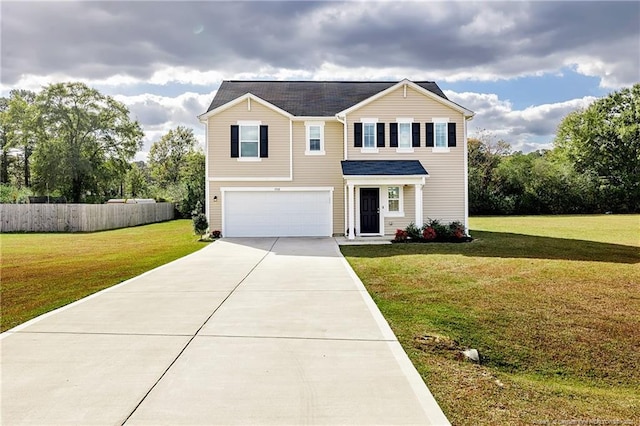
215,198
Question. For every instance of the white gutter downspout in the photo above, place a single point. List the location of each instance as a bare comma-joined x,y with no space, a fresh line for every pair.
291,149
346,199
466,175
344,137
207,202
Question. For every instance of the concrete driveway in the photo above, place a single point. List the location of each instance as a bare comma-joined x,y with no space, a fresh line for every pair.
244,331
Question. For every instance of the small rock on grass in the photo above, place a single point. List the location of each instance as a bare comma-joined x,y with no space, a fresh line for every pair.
472,354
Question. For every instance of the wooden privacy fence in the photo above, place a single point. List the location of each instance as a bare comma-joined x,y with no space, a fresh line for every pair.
80,217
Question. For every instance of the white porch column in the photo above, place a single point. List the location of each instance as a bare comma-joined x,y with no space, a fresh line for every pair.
352,212
419,219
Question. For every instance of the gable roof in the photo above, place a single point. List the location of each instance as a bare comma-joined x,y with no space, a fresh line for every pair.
310,98
382,168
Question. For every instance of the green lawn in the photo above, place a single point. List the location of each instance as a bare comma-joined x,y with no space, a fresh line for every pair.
551,303
41,272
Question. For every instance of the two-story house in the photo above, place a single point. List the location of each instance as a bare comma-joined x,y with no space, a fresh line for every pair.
322,158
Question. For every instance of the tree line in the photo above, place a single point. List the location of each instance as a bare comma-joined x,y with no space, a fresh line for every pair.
72,142
594,166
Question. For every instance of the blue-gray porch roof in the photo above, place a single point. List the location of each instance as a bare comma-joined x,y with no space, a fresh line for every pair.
383,168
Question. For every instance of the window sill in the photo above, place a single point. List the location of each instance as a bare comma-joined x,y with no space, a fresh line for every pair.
404,150
314,153
440,150
248,159
369,150
394,214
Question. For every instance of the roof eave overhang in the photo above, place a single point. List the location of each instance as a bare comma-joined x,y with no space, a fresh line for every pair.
467,113
385,179
204,117
314,118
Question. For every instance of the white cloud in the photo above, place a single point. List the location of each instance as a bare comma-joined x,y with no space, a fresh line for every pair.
159,114
527,129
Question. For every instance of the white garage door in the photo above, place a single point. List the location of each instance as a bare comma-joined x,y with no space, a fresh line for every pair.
277,213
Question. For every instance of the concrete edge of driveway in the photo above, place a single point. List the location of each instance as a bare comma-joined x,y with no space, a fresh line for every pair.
422,392
40,317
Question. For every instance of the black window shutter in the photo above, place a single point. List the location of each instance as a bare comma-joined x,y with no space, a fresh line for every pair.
452,134
393,135
264,141
357,135
380,137
430,134
415,131
235,141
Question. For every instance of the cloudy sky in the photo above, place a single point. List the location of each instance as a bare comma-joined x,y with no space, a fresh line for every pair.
521,66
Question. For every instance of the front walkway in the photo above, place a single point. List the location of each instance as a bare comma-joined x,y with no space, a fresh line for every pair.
244,331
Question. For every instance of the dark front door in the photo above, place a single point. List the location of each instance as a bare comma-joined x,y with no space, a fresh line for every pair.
369,210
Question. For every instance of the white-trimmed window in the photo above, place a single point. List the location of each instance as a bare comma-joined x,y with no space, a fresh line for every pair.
404,135
440,135
314,138
249,141
440,130
394,201
369,135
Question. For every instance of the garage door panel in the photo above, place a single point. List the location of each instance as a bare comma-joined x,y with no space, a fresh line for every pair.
277,213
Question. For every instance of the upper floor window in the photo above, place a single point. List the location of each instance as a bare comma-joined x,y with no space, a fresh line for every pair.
369,130
315,138
441,135
249,141
368,135
404,135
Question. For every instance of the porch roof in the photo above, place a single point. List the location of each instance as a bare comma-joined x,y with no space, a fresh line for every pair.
383,168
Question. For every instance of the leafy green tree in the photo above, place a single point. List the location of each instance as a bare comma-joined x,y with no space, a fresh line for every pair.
485,154
541,183
192,175
604,140
167,156
137,180
4,141
20,126
84,137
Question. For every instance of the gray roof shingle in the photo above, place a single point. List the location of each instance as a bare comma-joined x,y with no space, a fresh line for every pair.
382,168
309,98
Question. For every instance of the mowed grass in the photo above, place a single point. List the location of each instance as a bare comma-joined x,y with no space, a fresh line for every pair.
41,272
552,304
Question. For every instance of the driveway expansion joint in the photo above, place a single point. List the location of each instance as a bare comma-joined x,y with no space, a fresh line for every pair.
164,373
337,339
81,333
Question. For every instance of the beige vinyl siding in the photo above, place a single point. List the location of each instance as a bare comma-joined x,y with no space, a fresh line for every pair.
219,133
394,105
308,171
444,191
321,170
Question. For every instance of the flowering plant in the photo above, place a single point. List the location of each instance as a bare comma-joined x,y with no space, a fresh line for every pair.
429,233
401,235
